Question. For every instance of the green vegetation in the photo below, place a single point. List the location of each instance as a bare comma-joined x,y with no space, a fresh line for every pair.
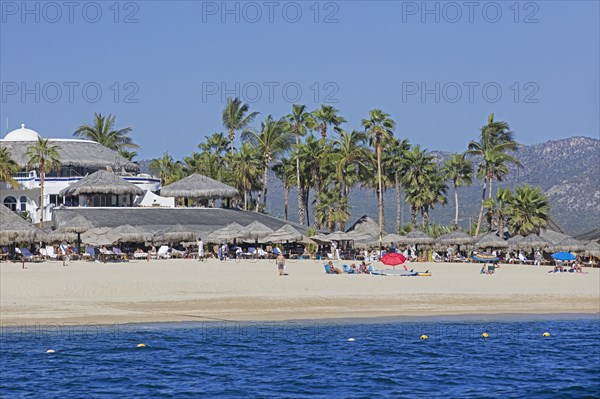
43,157
102,131
8,167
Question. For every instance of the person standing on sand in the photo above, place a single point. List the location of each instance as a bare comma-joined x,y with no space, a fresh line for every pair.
200,249
280,260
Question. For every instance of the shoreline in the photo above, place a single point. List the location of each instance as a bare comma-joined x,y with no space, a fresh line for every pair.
184,291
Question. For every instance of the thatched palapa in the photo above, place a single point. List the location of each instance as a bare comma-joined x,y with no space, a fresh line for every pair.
569,244
512,241
416,237
285,233
532,241
100,236
455,238
129,233
553,237
15,229
390,238
176,233
490,241
592,248
255,230
101,182
229,232
76,224
200,187
61,235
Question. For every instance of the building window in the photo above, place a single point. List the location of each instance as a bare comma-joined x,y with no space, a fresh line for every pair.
23,203
11,203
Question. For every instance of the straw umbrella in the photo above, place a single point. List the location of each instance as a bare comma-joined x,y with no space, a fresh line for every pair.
62,235
553,237
532,241
455,238
490,241
229,232
129,233
512,241
569,244
77,224
390,238
285,233
100,236
592,248
255,230
416,237
176,233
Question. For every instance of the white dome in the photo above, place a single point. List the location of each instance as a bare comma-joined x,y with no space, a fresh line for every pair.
22,134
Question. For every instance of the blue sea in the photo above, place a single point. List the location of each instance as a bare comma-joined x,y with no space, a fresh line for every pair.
306,359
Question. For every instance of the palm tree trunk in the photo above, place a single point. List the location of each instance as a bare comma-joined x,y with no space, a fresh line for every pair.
245,199
398,202
42,175
413,215
231,139
286,194
380,199
306,208
491,180
425,216
455,205
480,218
265,184
317,203
299,183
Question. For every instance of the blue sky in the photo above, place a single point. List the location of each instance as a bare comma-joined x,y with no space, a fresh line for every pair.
166,68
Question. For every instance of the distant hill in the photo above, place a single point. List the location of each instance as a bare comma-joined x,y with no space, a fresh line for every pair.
567,170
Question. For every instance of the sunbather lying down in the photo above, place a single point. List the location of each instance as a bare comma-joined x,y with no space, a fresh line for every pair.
334,269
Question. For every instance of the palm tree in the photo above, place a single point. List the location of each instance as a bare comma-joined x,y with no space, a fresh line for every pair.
495,141
301,122
327,116
380,128
528,211
274,139
216,143
459,171
419,168
285,171
129,155
235,118
102,131
44,157
8,167
497,208
165,167
246,167
434,192
350,157
394,165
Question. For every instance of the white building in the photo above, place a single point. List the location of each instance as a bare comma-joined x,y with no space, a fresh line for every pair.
79,158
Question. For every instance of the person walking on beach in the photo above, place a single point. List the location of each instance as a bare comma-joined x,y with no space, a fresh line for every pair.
280,260
200,249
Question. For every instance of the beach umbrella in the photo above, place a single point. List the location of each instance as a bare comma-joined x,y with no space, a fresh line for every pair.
176,233
482,257
569,244
490,241
229,232
553,237
563,255
512,241
78,224
285,233
390,238
61,235
416,237
129,233
100,236
592,248
393,259
340,236
455,238
255,230
531,241
365,226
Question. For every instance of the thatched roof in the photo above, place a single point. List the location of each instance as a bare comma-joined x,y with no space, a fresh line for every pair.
532,241
592,248
416,237
569,244
390,238
455,238
101,182
553,237
176,233
285,233
490,241
198,186
75,224
14,228
61,235
229,232
78,153
203,221
100,236
593,235
512,241
365,226
255,230
129,233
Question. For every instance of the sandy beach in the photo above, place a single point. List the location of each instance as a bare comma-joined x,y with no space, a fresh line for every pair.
186,290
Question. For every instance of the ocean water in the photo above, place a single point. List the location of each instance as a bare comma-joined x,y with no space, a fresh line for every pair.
387,359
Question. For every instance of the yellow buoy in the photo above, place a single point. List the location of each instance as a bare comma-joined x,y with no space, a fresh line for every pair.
50,351
485,335
141,345
351,339
424,336
546,334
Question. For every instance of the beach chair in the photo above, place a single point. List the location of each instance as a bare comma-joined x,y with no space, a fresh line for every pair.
250,253
90,253
29,257
50,254
327,269
119,254
163,252
348,269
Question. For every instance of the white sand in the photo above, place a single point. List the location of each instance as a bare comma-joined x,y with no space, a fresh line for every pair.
186,290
